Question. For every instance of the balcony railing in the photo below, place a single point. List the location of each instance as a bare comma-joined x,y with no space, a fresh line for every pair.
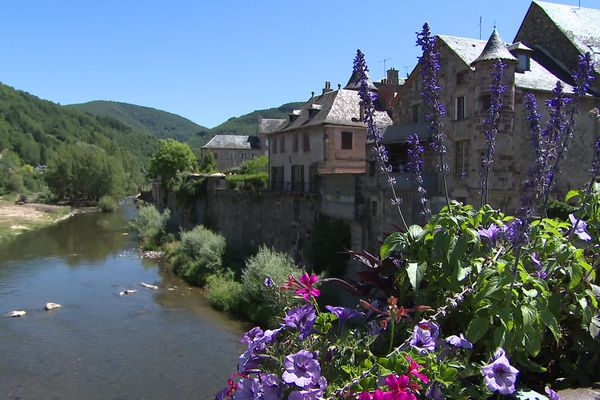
294,187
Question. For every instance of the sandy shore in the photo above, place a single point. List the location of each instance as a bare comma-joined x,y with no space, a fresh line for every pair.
16,219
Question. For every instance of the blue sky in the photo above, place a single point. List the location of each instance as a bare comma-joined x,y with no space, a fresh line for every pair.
209,61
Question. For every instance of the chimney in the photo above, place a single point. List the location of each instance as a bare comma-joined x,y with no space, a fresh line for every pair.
327,87
392,76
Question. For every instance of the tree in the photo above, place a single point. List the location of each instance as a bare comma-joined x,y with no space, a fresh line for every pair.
83,172
208,163
172,157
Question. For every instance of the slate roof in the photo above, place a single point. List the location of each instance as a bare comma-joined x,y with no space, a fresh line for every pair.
340,107
233,142
495,49
354,82
268,125
580,25
538,78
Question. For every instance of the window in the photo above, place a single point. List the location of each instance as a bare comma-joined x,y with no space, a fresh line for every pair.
461,77
282,144
460,108
274,144
417,113
374,209
295,143
313,182
306,141
462,158
523,64
216,155
277,178
298,178
346,140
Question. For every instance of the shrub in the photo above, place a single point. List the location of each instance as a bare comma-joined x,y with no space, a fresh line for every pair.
107,204
223,292
199,254
266,263
256,181
150,225
559,209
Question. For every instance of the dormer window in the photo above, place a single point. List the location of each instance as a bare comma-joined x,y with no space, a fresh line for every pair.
313,110
523,64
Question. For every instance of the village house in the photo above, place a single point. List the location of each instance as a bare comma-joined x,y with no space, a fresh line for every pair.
230,151
465,77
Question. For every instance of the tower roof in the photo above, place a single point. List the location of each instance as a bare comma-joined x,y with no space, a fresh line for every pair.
494,49
354,82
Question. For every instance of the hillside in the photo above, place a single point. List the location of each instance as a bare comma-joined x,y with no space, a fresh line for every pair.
155,122
34,128
247,124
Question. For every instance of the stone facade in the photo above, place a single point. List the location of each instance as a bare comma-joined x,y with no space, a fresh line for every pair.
230,151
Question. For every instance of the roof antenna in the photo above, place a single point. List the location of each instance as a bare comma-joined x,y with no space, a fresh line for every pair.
384,61
405,70
480,22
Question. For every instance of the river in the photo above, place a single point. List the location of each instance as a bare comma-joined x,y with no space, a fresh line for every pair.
163,344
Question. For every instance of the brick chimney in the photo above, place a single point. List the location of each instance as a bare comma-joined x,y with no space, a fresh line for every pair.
392,76
327,87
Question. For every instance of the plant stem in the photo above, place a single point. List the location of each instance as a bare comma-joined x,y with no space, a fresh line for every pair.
393,320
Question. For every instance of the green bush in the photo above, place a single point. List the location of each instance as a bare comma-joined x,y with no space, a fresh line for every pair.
107,204
266,263
256,165
223,292
199,254
150,224
560,210
251,181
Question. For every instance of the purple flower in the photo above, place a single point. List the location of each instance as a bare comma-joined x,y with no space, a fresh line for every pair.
248,389
249,336
552,395
459,341
516,232
596,163
271,389
497,90
435,392
424,336
540,272
579,227
301,369
310,394
268,282
584,75
500,375
415,165
301,318
490,233
343,313
531,187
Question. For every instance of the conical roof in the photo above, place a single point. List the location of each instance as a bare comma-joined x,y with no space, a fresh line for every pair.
494,49
354,82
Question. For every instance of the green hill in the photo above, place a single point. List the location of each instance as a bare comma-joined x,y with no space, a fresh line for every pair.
33,129
247,124
158,123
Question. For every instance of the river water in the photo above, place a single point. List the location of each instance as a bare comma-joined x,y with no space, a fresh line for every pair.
163,344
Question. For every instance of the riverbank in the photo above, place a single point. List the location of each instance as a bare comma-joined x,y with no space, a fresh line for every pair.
16,219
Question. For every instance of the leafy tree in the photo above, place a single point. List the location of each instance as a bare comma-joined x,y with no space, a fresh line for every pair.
172,157
207,162
255,165
82,172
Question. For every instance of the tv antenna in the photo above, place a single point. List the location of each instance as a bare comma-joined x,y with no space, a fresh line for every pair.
480,23
384,62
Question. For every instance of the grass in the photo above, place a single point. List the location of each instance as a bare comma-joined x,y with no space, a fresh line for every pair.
16,219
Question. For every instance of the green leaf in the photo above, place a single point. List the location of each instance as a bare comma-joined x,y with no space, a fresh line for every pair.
576,273
477,328
550,322
395,242
458,251
595,328
415,274
499,336
529,316
571,194
415,232
447,374
532,340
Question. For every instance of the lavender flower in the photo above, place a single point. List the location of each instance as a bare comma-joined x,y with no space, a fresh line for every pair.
579,228
490,233
373,132
552,395
301,369
500,376
531,186
271,389
310,394
584,75
434,110
459,341
497,90
516,232
301,318
415,165
424,337
435,392
343,313
249,336
596,163
248,389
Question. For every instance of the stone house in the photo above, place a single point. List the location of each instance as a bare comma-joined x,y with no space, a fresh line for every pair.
465,78
230,151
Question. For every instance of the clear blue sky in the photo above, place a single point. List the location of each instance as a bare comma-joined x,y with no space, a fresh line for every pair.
209,61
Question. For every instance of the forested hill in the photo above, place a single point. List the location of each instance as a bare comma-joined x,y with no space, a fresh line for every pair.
34,128
161,124
247,124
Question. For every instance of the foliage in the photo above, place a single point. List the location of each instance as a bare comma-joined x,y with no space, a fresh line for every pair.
199,254
559,209
224,292
255,165
108,204
329,243
246,124
150,224
249,181
207,162
17,177
172,157
81,172
266,263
